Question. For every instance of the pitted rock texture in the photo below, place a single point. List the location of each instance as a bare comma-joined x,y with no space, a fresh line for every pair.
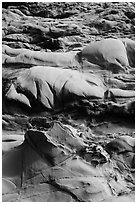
48,26
68,101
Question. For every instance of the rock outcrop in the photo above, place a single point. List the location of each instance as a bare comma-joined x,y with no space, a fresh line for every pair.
26,56
68,101
41,88
50,161
49,26
109,53
47,87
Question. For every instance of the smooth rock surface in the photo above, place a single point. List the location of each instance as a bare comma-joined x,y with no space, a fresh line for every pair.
46,161
108,53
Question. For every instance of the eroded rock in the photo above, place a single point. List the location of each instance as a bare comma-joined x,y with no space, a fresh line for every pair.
89,155
53,59
108,53
44,160
48,87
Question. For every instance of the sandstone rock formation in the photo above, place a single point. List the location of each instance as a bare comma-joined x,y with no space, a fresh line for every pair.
68,101
42,87
130,47
108,53
26,56
50,160
48,26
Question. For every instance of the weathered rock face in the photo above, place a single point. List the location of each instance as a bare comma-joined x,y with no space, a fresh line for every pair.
130,48
41,88
68,93
51,160
108,53
47,87
48,26
26,56
111,54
